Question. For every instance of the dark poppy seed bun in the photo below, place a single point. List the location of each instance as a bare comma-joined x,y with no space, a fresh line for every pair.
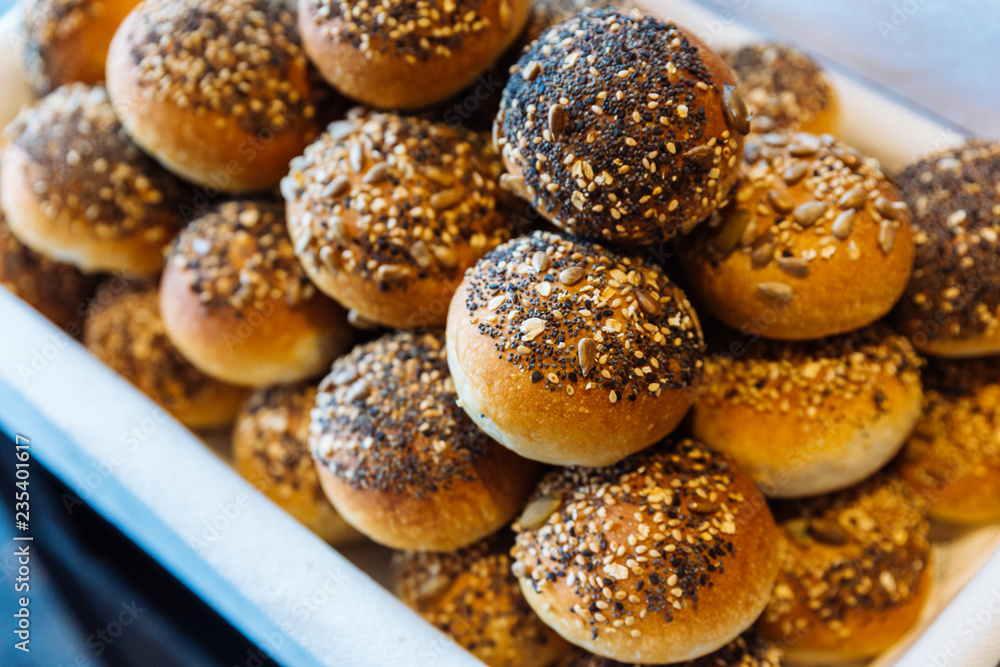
747,650
784,88
953,457
811,417
67,41
407,54
472,596
239,306
271,451
816,242
951,307
76,189
571,354
127,333
621,127
400,460
855,572
387,212
667,556
56,290
218,91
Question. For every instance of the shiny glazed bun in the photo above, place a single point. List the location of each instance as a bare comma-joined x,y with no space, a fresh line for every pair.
667,556
471,596
237,304
271,450
953,457
621,127
58,291
76,189
784,88
218,91
951,307
400,460
811,417
67,40
815,244
855,572
747,650
387,212
406,54
127,334
571,354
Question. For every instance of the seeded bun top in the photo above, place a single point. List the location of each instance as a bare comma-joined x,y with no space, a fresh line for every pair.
471,596
237,59
89,172
386,419
954,197
621,127
747,650
783,87
816,233
877,527
571,314
666,556
395,199
547,13
238,256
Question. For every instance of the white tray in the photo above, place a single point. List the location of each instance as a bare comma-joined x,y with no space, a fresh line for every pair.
301,601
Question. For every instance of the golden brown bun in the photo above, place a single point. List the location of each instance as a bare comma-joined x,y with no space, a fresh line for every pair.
126,333
238,305
58,291
387,212
271,450
784,88
569,353
811,417
855,572
67,40
400,460
951,307
77,190
747,650
816,242
233,133
595,154
666,556
953,457
472,597
407,54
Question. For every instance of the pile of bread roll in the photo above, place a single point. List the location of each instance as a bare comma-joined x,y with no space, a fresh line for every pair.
634,378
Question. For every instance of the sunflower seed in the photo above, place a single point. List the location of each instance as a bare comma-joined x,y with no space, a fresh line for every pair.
762,254
514,185
795,266
571,275
538,512
853,198
358,391
446,199
702,156
886,236
807,214
586,354
357,158
532,327
795,173
338,186
557,120
439,176
779,202
775,290
340,129
827,532
389,273
420,254
894,210
432,590
446,257
701,506
735,109
531,70
729,236
843,225
804,145
649,305
540,262
377,173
